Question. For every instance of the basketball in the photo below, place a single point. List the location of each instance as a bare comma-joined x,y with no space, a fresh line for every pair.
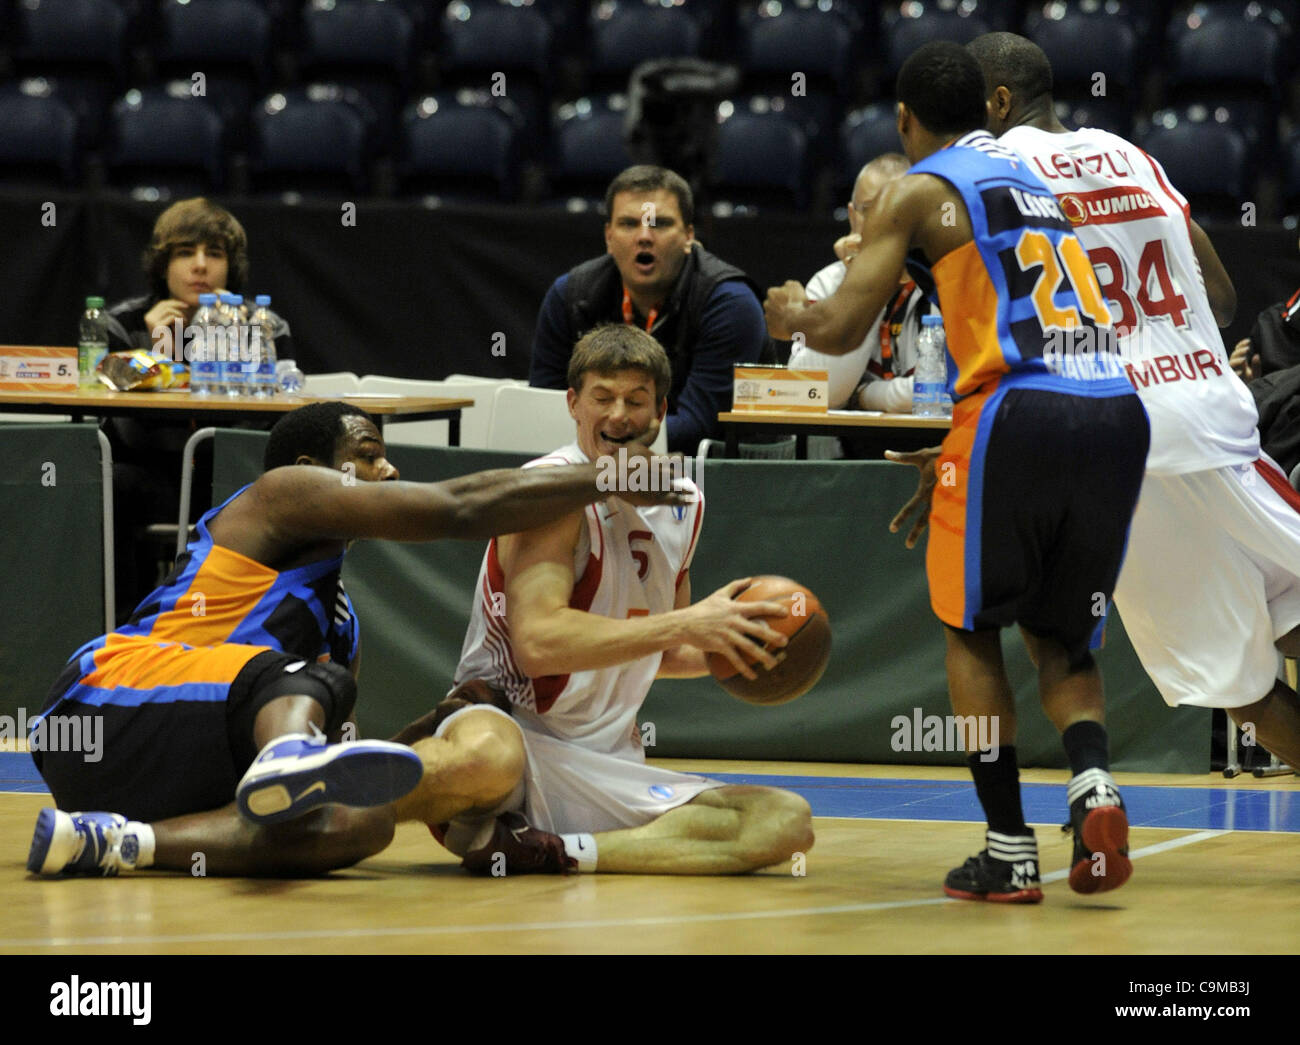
806,654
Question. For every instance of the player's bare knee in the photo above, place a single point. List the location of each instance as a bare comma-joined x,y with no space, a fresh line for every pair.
494,763
782,826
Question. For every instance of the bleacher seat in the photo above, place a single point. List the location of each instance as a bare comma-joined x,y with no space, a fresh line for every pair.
38,139
79,45
588,147
1206,160
367,45
462,145
867,133
908,26
164,140
1092,48
229,41
312,141
625,33
490,45
803,55
762,160
1232,56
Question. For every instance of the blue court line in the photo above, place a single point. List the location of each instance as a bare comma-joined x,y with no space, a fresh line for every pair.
1228,808
1189,808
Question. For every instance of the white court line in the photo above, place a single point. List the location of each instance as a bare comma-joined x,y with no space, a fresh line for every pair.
519,927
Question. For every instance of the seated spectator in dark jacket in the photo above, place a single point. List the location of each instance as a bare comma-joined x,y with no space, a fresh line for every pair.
197,248
706,313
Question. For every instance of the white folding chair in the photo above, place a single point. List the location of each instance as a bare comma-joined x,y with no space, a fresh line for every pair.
474,420
337,383
530,420
461,379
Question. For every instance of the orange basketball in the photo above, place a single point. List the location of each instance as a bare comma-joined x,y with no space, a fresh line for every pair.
806,654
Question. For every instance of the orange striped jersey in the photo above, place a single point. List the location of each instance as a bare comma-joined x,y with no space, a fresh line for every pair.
1020,302
217,597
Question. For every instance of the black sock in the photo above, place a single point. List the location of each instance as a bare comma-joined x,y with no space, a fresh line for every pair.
998,785
1087,747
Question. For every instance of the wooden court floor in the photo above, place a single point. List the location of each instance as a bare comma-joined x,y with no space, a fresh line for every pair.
870,887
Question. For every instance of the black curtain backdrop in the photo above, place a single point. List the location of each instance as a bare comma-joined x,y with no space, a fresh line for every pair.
411,291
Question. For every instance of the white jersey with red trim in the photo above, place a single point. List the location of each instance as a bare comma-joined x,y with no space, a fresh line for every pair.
1136,228
628,563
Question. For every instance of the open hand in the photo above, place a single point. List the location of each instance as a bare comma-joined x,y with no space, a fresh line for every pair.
919,505
720,624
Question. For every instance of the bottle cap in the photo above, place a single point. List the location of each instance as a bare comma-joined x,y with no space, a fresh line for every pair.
207,299
932,321
95,302
236,299
262,300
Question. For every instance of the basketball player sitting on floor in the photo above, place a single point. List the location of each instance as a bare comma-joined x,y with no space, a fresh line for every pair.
573,621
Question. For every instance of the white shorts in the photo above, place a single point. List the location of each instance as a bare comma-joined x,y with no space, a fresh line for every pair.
569,790
1210,580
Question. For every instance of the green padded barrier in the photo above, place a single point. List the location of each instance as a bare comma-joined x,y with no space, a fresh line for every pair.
52,555
823,523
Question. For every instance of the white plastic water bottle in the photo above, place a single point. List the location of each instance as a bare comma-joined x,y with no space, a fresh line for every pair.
203,362
930,379
92,343
261,341
231,373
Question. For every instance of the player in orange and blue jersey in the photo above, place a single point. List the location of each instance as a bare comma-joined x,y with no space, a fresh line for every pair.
222,702
1034,487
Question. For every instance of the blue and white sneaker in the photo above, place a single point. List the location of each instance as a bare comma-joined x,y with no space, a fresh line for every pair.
83,843
296,773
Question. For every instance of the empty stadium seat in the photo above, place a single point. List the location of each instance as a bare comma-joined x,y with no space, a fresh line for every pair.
1232,56
495,46
462,145
165,140
1093,53
312,141
80,44
364,44
588,146
38,139
762,160
1206,160
625,33
908,26
229,41
867,133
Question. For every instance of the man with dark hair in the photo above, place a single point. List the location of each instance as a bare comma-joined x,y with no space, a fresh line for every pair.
572,621
1209,636
1029,518
221,703
655,275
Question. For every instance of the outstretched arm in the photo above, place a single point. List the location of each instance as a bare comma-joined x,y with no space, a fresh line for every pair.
838,324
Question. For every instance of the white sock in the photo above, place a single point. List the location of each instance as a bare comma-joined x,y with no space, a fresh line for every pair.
582,848
136,838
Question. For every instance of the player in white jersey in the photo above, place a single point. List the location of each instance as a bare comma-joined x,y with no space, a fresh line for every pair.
1210,588
573,622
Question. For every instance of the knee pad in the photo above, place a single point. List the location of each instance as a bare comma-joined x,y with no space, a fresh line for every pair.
330,685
